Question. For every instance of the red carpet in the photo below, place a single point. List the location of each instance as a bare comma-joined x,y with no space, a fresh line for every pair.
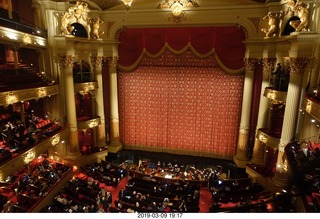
205,200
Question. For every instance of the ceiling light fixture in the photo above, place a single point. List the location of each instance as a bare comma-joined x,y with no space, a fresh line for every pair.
177,7
127,3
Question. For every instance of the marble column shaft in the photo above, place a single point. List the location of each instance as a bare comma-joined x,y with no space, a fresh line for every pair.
297,67
66,63
96,62
242,146
114,111
258,148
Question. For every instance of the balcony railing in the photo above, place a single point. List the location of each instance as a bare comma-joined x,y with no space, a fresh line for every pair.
22,27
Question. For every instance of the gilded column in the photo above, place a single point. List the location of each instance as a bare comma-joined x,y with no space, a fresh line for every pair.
96,62
241,157
66,63
115,144
258,148
297,67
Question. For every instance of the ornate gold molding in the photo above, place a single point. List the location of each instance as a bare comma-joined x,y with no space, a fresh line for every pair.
297,65
96,61
7,98
66,60
112,61
268,64
83,88
90,123
275,95
264,136
250,63
312,108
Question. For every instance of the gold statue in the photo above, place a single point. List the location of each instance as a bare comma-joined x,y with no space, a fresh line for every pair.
79,10
65,28
301,10
273,24
95,28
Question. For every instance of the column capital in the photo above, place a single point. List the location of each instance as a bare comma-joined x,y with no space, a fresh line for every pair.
111,60
250,63
96,61
297,65
66,60
268,63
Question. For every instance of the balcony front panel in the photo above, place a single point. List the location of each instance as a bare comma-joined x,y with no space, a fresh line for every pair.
90,123
274,95
85,87
10,97
311,107
264,136
15,163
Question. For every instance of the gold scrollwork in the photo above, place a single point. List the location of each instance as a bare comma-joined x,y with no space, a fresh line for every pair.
55,140
268,63
112,61
11,98
96,61
309,106
93,124
29,156
42,92
66,60
250,63
298,65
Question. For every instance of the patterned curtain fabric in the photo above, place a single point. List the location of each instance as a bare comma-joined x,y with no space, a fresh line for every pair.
225,44
180,104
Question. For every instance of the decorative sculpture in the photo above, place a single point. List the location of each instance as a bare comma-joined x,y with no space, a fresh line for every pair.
95,28
301,10
79,10
273,22
65,28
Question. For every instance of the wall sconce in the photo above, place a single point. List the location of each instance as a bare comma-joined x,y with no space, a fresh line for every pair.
127,3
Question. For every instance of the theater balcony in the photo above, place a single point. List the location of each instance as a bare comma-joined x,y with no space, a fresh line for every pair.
20,34
85,86
270,142
14,96
86,122
311,105
28,154
275,95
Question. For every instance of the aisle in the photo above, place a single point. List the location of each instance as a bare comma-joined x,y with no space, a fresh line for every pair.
205,200
115,191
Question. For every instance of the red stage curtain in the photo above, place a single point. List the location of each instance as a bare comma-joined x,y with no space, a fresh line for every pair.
225,43
180,90
189,110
